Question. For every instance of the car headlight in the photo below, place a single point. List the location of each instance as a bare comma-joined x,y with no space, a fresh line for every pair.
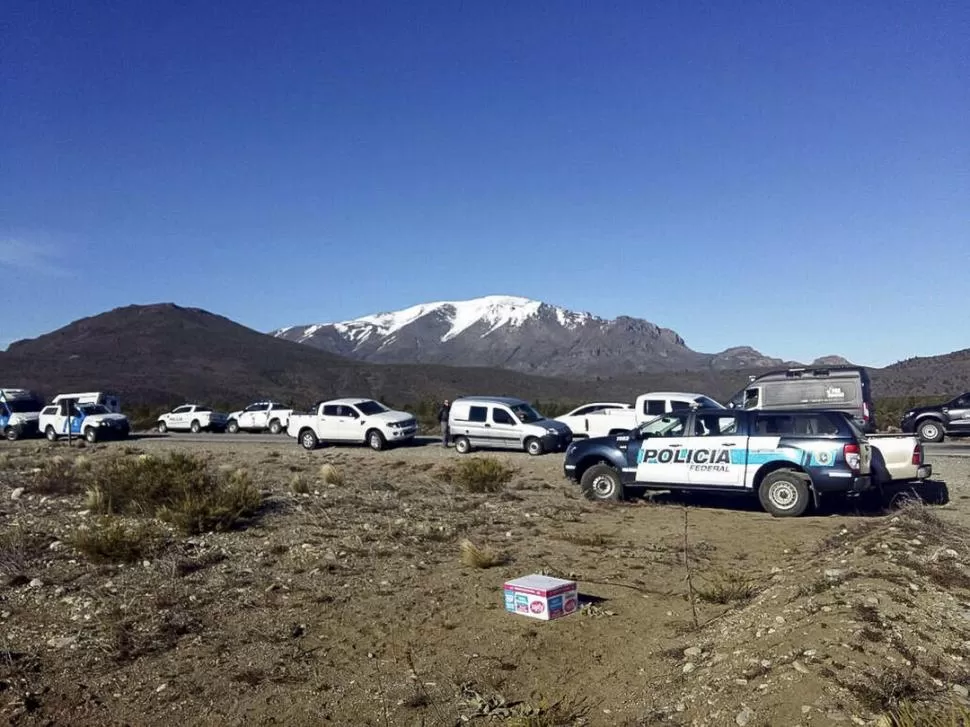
552,431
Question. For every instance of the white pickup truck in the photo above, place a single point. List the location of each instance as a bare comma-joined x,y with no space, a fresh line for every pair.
603,419
897,458
258,417
193,418
354,421
92,421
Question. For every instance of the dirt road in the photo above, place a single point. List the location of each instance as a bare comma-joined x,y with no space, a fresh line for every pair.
349,603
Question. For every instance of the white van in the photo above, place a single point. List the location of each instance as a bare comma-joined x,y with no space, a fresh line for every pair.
499,422
19,413
109,401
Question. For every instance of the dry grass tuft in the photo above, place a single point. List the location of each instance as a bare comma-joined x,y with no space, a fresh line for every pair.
57,476
178,488
111,541
913,714
726,588
480,474
475,557
300,484
330,475
18,547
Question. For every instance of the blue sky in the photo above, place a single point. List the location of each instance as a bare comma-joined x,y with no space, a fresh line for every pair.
792,176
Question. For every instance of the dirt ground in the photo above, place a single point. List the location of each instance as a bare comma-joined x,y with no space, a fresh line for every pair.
350,604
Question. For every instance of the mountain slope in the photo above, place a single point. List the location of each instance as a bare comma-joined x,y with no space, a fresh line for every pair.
164,354
518,334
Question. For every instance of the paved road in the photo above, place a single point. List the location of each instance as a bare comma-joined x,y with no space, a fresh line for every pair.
242,438
946,449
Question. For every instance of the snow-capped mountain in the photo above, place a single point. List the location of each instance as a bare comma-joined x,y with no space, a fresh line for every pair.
516,333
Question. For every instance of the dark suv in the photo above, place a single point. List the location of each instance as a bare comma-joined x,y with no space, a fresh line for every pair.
932,423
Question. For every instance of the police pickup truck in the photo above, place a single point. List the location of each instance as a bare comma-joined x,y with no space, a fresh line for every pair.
789,458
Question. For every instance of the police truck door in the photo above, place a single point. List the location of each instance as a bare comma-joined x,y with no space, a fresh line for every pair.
717,451
661,442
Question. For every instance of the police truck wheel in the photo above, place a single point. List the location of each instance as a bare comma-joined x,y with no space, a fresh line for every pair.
375,440
309,440
12,434
162,428
233,426
785,493
601,482
930,431
533,446
50,434
196,427
275,427
462,445
90,435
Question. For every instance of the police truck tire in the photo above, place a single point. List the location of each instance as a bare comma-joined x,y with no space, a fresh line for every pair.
90,435
375,440
308,439
930,431
233,426
533,446
601,482
162,428
50,434
12,434
275,427
785,493
462,445
196,427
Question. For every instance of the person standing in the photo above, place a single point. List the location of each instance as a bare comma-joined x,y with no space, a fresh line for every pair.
443,414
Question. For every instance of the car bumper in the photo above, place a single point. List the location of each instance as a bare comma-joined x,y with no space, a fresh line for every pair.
556,442
850,483
908,426
399,435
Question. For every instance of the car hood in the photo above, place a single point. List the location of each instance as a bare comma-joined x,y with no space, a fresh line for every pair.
559,426
113,418
390,417
936,408
24,416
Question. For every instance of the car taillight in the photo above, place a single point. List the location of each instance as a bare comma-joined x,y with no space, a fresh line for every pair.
853,456
918,455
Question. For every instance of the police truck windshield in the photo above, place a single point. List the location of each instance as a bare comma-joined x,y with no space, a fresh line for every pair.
90,409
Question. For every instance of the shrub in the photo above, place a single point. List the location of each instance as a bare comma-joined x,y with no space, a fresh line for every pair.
480,474
300,485
727,588
178,488
331,475
111,541
57,476
18,547
475,557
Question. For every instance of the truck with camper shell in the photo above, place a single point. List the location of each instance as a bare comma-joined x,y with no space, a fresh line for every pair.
601,420
788,458
897,458
260,416
193,418
67,417
111,402
500,422
19,413
352,421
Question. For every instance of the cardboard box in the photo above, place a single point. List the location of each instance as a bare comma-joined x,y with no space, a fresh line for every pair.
541,597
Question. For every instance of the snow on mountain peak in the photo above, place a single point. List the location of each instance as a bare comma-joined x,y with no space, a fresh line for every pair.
494,310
